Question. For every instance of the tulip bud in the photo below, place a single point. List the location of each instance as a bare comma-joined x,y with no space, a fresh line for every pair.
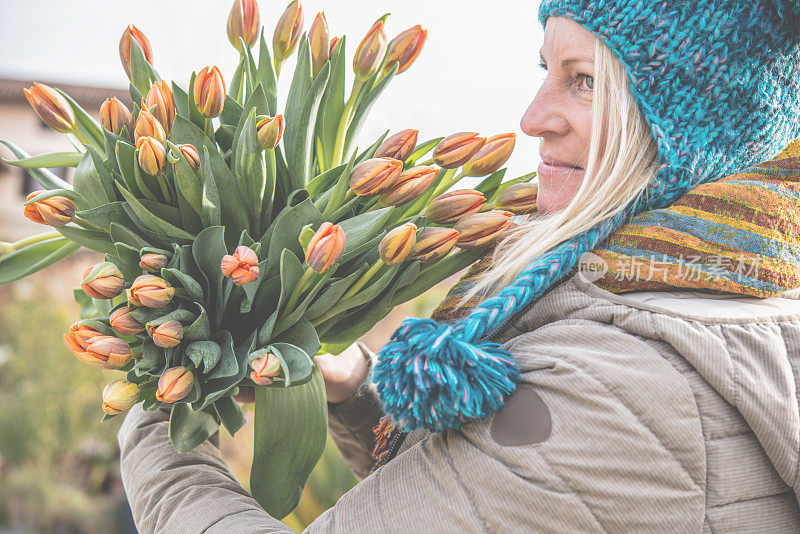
434,244
456,149
370,51
108,352
491,156
375,176
152,156
518,198
151,291
318,42
147,125
398,244
125,47
209,92
54,211
409,185
160,95
168,334
174,384
243,21
269,130
114,115
265,369
405,48
124,323
242,266
152,263
481,229
106,283
288,31
454,205
325,247
77,339
119,395
334,42
51,106
191,155
399,146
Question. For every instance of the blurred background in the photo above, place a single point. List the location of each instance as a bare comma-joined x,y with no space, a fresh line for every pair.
59,469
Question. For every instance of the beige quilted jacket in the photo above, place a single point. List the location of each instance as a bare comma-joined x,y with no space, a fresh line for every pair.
641,412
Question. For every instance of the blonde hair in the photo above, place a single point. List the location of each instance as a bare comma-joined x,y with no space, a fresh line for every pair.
615,175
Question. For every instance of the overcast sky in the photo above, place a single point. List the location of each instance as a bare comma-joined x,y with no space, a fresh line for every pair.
477,72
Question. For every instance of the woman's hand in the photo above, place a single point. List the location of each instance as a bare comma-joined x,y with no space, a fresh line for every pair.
343,374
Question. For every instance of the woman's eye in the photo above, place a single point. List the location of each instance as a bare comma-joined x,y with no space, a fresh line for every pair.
589,80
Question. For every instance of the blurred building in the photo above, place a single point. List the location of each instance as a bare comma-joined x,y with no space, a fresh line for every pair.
20,125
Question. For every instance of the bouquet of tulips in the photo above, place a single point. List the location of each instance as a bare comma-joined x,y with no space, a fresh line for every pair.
239,240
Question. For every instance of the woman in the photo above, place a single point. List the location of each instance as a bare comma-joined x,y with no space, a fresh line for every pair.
629,409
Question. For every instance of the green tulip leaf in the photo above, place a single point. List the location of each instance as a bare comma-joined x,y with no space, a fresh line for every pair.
421,149
364,106
204,353
141,76
333,293
104,215
193,289
20,263
97,241
362,229
282,461
91,308
489,185
43,177
200,329
189,428
151,221
302,335
231,414
87,129
51,159
266,76
332,104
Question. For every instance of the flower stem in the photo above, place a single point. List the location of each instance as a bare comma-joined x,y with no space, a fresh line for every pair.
344,123
298,290
162,183
355,288
30,240
209,129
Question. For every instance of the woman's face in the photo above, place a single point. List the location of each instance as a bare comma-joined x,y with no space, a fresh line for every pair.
561,111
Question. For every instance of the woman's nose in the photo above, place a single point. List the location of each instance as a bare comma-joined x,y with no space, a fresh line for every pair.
543,116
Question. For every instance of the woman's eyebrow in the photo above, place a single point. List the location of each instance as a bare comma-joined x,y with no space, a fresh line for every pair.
567,61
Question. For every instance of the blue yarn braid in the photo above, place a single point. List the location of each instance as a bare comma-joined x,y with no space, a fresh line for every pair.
719,83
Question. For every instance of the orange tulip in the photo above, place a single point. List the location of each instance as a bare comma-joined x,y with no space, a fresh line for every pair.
481,229
325,247
288,31
370,52
269,130
398,244
334,42
152,263
191,155
409,185
114,115
51,107
456,149
106,283
151,291
434,244
265,369
160,95
491,156
241,267
54,211
147,125
518,198
454,205
174,384
318,42
119,395
106,352
374,176
78,337
243,21
167,335
152,155
125,47
398,146
124,323
209,92
405,48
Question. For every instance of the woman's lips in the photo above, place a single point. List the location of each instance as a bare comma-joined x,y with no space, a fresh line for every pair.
546,168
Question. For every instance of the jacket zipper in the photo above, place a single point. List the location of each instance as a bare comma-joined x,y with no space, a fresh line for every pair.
395,446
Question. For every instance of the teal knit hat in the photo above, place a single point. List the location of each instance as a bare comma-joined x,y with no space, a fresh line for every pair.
718,81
